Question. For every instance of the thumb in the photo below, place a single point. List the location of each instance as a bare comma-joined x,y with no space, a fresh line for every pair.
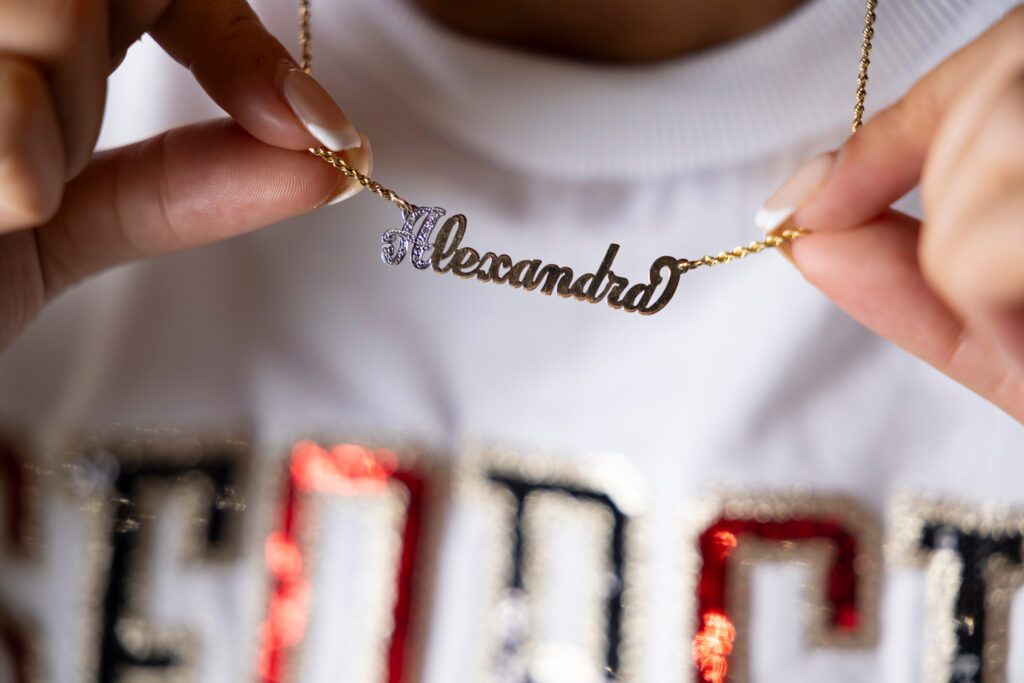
251,75
883,160
183,188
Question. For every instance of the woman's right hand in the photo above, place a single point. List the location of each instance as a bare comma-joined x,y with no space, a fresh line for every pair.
66,212
948,288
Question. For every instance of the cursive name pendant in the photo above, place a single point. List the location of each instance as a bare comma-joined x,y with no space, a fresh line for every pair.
447,255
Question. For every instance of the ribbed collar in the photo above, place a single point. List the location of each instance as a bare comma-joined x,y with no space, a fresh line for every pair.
790,82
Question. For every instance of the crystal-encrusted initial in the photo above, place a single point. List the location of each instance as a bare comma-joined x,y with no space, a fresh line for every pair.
396,242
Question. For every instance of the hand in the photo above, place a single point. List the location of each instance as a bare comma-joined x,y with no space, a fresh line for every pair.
66,213
950,288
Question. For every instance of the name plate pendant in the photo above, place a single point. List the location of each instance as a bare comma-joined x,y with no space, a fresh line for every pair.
447,255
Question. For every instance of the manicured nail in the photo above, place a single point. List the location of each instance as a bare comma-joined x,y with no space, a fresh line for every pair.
360,159
794,193
318,112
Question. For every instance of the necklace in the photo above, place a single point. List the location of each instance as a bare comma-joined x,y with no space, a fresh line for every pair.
447,255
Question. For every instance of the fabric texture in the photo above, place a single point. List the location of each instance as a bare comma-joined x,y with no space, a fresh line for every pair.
750,379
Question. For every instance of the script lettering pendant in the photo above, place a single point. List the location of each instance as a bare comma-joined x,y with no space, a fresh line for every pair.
447,255
396,242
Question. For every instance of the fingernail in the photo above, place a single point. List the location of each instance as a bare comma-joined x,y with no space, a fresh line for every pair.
318,112
361,159
794,193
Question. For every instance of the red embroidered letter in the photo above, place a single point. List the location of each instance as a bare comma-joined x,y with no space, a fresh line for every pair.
743,531
389,496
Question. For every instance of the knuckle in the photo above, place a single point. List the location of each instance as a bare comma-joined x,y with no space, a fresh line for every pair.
30,172
930,188
23,287
22,84
915,112
932,258
25,204
898,126
241,29
941,265
240,23
959,349
1014,20
27,198
65,22
1009,34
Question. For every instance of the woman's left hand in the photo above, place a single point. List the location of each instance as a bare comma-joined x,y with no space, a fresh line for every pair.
950,288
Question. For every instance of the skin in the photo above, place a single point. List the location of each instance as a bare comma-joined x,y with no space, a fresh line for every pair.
66,213
949,289
608,30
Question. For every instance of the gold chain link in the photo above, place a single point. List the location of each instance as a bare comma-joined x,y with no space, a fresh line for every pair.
768,242
306,42
305,36
776,240
364,180
865,62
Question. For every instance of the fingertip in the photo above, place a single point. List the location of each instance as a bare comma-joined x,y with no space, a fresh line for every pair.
31,145
1006,327
359,158
800,188
317,110
241,66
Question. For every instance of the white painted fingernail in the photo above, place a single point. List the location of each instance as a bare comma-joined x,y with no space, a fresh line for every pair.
360,159
794,193
321,116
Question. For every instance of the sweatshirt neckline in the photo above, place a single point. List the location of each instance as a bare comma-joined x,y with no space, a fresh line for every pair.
789,82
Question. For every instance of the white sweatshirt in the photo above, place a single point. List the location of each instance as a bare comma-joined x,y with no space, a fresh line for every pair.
748,479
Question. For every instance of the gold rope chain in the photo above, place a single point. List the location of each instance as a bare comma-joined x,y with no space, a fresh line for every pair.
685,265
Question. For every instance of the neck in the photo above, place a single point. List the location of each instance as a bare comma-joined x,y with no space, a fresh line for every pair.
608,30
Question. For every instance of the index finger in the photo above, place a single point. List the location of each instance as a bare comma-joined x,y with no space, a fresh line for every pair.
884,159
249,73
